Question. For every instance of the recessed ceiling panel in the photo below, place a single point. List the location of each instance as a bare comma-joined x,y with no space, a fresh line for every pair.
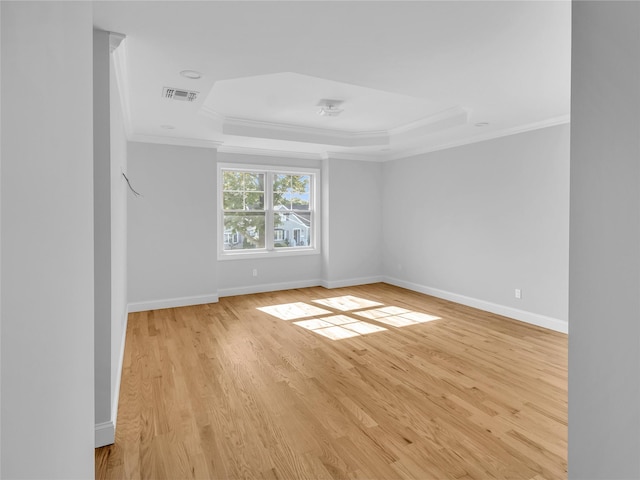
292,99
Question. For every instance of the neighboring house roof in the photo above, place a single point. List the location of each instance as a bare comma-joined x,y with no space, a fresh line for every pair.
291,213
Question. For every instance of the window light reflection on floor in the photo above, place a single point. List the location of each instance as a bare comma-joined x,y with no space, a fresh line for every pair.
293,311
347,303
396,316
337,327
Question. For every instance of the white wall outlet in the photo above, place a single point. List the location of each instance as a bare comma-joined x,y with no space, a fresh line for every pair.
255,272
518,293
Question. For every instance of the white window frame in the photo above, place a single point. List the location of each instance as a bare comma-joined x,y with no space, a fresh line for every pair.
270,251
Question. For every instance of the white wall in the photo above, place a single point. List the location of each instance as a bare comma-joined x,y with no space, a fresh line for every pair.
47,378
110,237
474,223
236,276
353,220
604,300
172,228
119,197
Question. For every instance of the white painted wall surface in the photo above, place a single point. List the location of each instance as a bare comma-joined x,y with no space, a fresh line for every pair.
172,228
481,220
47,377
110,241
236,276
119,198
353,215
604,296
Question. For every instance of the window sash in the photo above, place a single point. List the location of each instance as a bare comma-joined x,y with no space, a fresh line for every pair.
311,236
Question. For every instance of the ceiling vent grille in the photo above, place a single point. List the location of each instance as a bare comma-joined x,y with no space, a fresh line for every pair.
179,94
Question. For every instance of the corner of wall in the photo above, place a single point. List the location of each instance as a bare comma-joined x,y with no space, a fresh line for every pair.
543,321
172,302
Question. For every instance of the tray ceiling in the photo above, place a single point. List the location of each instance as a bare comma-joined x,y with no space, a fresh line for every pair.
411,76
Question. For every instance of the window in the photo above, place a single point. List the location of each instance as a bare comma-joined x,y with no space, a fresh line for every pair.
231,238
267,211
297,236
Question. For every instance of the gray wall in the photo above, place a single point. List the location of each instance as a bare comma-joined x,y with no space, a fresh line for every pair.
481,220
110,237
471,224
47,377
604,300
102,225
170,264
353,220
0,248
172,228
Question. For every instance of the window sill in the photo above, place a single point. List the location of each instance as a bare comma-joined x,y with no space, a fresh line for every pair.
252,255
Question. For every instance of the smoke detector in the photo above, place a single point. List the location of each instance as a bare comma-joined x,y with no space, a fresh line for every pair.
329,107
179,94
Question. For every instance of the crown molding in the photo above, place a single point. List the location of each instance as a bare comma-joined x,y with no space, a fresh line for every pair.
550,122
211,113
359,157
115,39
299,133
177,141
264,152
287,127
450,117
366,157
246,127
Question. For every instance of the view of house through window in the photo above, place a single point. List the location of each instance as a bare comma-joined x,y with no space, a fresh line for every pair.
266,210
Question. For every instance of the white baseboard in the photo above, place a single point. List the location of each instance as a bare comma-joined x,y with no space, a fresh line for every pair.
267,287
171,303
105,433
351,282
521,315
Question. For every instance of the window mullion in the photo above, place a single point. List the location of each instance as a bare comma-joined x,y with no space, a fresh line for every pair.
268,205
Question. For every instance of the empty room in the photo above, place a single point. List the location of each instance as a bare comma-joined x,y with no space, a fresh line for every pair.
320,240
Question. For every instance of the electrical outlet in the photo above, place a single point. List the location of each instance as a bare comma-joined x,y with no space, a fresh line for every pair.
518,293
255,272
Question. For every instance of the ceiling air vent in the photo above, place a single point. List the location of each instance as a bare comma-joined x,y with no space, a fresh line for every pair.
178,94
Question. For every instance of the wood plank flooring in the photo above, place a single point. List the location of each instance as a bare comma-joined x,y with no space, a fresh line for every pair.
227,391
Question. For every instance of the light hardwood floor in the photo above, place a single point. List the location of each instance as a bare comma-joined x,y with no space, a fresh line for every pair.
226,391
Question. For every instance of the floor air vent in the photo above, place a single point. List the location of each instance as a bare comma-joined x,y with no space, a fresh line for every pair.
178,94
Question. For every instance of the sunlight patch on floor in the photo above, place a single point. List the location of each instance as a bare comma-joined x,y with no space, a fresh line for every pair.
336,333
396,316
347,303
293,311
338,327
